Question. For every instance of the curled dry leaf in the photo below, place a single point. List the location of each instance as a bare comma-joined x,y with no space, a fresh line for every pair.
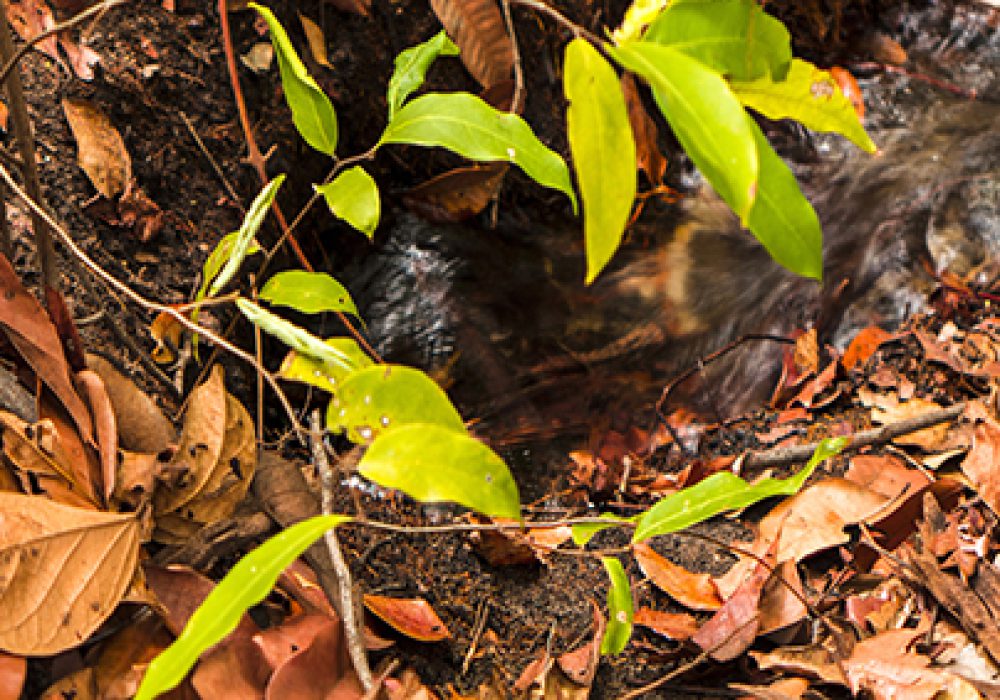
413,617
142,427
694,591
648,156
66,569
100,148
477,27
105,427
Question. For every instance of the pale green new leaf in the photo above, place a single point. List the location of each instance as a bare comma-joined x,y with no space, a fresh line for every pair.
584,532
809,95
704,115
297,338
308,292
432,463
246,584
411,67
222,252
244,238
721,492
312,111
353,196
328,376
782,219
638,15
600,138
465,124
620,610
375,399
733,37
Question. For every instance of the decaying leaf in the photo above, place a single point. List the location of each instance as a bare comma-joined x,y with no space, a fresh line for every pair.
100,148
980,465
676,626
648,156
66,569
569,677
319,670
477,27
413,617
694,591
457,194
105,427
316,40
142,427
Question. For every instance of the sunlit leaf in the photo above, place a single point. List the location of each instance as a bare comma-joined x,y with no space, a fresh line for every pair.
353,196
620,612
733,37
218,257
411,66
781,218
808,95
296,338
583,533
297,367
308,292
312,112
721,492
245,585
465,124
705,116
432,464
638,15
244,239
603,148
372,400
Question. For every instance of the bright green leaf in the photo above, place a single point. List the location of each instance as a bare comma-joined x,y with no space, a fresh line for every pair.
432,463
312,112
308,292
465,124
733,37
222,252
603,148
583,533
244,238
375,399
297,338
246,584
411,66
808,95
704,115
620,613
782,219
353,196
721,492
297,367
638,15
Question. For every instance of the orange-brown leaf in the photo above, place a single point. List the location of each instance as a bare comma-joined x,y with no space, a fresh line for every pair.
477,27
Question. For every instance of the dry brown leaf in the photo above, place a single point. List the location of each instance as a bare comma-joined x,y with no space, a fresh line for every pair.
781,603
648,157
316,41
29,18
814,661
477,27
413,617
886,408
13,671
883,666
66,571
360,7
320,671
408,687
885,474
142,427
980,465
100,148
782,689
79,686
234,669
123,658
105,427
457,194
179,591
864,345
676,626
694,591
166,331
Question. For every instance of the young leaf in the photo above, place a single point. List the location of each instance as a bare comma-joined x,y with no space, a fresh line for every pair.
411,66
297,338
808,95
704,115
582,534
465,124
432,463
353,196
723,491
781,218
324,375
620,613
372,400
245,585
308,292
603,148
733,37
312,112
245,236
217,258
638,15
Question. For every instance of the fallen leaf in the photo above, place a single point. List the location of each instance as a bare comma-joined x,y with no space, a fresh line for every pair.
887,409
234,669
781,601
65,569
980,464
694,591
315,40
883,666
864,345
513,547
79,686
105,427
814,661
30,18
648,156
885,474
478,29
412,617
142,427
82,59
320,671
13,671
179,591
677,626
458,194
100,148
781,689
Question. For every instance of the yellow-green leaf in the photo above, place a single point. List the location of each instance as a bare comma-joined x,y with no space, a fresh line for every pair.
353,196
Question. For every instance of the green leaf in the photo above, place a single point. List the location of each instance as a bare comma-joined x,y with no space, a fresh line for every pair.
600,138
432,463
312,112
375,399
324,375
620,614
245,585
639,14
704,115
308,292
583,533
782,219
721,492
353,196
219,255
465,124
411,67
297,338
244,237
808,95
733,37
